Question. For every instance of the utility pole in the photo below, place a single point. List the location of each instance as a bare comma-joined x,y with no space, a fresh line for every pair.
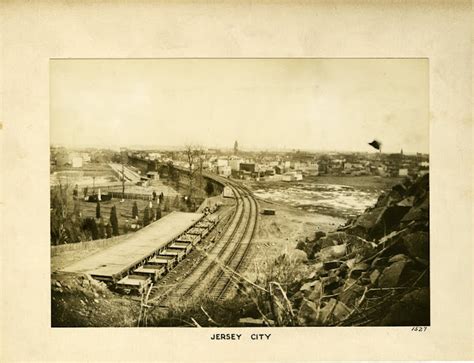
123,180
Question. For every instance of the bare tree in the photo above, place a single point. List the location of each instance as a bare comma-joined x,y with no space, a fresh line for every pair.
195,159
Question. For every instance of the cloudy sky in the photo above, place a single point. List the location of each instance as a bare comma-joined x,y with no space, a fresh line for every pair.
313,104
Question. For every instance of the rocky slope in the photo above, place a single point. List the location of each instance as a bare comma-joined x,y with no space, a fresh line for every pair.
372,271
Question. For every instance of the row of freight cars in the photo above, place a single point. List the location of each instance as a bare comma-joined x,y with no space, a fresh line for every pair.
152,269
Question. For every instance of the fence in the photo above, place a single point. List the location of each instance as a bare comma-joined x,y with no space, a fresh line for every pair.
130,195
106,242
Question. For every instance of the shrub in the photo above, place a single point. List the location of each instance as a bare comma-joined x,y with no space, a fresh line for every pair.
135,210
97,210
146,216
114,221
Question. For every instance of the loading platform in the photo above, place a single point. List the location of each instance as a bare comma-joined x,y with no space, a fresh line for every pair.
113,263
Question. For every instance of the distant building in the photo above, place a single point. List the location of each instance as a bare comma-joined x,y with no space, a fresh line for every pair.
154,156
292,176
76,162
222,162
402,172
224,171
250,167
235,164
311,168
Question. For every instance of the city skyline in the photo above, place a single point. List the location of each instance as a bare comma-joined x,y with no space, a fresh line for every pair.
273,104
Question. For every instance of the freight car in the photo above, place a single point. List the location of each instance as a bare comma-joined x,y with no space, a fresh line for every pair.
167,262
181,246
154,272
133,283
177,254
202,232
189,238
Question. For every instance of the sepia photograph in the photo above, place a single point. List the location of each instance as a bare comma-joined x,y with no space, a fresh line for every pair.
239,192
247,181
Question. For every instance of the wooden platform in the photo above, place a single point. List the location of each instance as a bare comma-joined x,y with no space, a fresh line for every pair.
115,261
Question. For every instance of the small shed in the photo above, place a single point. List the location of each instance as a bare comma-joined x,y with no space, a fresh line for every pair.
227,192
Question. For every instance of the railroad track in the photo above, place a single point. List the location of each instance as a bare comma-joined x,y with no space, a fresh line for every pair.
210,275
222,283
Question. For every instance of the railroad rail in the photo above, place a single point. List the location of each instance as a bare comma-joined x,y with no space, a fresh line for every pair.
211,276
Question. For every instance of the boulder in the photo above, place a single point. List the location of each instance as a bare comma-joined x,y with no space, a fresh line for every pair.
308,313
333,239
309,285
297,255
374,276
315,269
379,262
391,275
420,186
330,253
329,265
388,221
399,257
407,202
418,246
368,220
330,283
333,311
400,189
351,292
350,263
412,309
415,214
318,235
316,292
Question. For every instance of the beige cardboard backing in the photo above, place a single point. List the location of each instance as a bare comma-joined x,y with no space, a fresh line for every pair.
33,32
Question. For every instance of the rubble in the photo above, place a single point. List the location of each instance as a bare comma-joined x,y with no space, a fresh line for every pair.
80,300
374,270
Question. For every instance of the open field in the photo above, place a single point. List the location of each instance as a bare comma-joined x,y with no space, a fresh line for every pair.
281,232
87,175
336,196
368,182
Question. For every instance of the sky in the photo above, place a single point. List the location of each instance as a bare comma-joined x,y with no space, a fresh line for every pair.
305,104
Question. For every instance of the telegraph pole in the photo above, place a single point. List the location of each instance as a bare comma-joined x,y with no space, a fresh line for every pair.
123,179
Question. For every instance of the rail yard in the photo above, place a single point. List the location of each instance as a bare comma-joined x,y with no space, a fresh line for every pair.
218,242
224,257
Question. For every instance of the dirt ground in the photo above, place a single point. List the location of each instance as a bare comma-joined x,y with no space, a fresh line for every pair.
281,232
